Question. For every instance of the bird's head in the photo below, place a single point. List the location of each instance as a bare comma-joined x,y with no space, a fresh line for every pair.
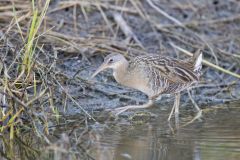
113,61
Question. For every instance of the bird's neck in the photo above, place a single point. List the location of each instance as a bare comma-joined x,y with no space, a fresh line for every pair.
120,72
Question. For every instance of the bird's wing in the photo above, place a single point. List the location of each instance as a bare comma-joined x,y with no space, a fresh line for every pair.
167,69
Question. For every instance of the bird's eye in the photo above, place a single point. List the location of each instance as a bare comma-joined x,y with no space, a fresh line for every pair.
110,60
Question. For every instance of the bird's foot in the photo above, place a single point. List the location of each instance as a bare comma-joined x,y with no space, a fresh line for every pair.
120,110
198,116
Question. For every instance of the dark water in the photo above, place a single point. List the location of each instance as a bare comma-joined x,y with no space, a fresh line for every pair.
215,137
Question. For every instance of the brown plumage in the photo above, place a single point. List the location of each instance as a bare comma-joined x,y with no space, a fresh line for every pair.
154,75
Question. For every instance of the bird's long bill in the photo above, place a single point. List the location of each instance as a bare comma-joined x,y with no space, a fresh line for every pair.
100,68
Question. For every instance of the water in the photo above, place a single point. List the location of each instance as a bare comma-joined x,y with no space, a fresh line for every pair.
215,137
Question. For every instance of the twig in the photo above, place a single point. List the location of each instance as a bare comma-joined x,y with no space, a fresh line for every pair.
105,18
67,4
165,14
208,22
206,62
134,3
126,29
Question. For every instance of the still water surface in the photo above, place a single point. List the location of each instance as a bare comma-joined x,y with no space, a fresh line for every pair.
215,137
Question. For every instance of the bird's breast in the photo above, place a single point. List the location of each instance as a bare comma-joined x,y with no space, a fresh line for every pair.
135,80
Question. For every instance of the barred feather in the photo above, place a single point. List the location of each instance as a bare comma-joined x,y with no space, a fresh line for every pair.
168,75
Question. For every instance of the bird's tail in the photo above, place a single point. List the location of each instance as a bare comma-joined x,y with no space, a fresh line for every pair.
197,61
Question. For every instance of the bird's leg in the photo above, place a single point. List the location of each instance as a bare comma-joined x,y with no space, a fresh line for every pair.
120,110
177,103
194,103
175,107
170,115
199,114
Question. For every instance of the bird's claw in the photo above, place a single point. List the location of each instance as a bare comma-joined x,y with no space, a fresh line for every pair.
119,110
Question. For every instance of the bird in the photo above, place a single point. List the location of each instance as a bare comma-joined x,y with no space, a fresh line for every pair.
154,75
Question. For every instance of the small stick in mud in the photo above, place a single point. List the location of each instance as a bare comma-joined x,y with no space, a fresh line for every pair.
126,29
